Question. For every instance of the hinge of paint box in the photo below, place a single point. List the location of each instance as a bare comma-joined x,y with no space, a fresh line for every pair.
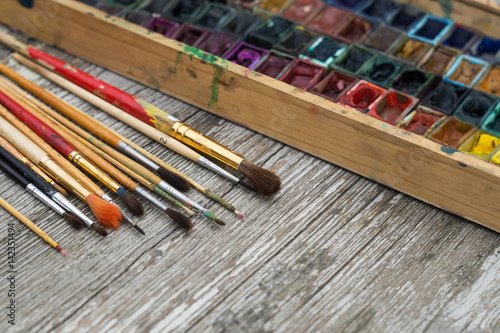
27,3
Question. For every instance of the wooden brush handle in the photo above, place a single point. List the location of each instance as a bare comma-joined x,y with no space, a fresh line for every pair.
67,109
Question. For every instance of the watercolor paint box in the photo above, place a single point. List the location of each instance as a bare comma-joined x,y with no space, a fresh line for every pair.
481,144
421,121
257,102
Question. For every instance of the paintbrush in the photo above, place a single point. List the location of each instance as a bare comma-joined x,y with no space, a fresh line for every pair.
35,191
106,213
14,152
71,111
30,225
264,181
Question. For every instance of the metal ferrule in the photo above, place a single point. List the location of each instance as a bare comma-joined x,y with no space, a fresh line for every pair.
217,169
82,162
146,195
37,193
126,149
59,198
207,146
67,180
173,192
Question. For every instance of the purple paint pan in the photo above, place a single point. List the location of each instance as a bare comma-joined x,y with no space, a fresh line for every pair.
190,35
218,43
246,55
162,26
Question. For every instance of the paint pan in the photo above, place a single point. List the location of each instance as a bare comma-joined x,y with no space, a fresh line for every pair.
381,70
452,132
270,32
241,24
301,11
492,122
139,17
303,74
190,35
353,30
466,70
438,61
162,26
380,10
421,121
445,96
353,60
409,51
496,158
274,64
481,144
475,107
382,38
323,51
158,6
413,82
243,3
491,82
351,5
333,85
295,41
218,43
362,96
460,38
431,29
488,49
392,107
183,10
271,7
246,55
213,16
405,18
327,20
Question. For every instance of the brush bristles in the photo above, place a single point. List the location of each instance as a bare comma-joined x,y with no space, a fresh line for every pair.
134,205
264,181
73,221
107,214
99,229
175,180
180,219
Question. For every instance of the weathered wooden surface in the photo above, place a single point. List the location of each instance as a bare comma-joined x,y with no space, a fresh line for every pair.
331,252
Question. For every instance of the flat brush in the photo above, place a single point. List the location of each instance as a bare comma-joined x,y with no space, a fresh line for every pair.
69,110
14,152
30,225
37,193
106,213
261,179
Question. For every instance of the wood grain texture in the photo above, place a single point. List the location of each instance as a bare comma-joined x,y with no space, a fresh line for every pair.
331,252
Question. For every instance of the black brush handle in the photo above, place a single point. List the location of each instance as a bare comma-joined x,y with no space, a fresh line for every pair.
26,172
13,173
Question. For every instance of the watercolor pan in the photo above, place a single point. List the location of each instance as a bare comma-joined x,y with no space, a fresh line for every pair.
241,24
183,11
295,41
490,82
243,3
274,64
481,145
492,122
409,51
158,6
392,107
269,32
327,20
380,10
271,7
421,121
382,38
381,70
162,26
218,43
362,96
405,18
353,30
475,107
190,35
466,70
301,11
445,96
139,17
460,38
303,74
431,29
452,132
488,49
323,51
213,16
438,60
353,60
413,82
334,85
245,55
351,5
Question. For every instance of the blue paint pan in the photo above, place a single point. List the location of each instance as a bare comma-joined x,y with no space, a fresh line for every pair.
431,29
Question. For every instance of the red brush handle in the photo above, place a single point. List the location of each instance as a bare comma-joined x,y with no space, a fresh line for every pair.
113,95
37,126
